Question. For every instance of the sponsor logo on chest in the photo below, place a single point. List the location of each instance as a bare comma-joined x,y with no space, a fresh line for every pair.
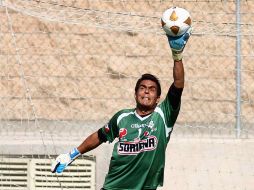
143,125
135,147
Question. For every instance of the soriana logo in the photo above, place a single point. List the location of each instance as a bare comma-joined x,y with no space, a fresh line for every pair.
136,147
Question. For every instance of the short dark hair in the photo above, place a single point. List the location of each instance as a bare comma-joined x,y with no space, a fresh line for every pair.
151,77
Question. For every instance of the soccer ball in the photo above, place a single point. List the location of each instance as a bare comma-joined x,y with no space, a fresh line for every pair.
176,21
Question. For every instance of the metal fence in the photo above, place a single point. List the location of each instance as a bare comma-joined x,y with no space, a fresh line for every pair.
79,60
67,66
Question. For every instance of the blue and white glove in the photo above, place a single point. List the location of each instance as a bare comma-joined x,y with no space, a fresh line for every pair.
178,43
63,160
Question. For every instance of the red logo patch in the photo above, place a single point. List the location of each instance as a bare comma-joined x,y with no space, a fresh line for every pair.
146,133
106,129
122,132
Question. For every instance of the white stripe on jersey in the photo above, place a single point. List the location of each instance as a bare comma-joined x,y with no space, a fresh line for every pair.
120,117
159,111
141,118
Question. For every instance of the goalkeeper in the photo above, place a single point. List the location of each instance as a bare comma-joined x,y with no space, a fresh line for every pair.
138,157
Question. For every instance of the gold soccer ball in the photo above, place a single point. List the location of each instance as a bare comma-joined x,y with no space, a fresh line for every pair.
176,21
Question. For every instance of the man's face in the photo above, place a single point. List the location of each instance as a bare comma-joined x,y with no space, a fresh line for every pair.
146,95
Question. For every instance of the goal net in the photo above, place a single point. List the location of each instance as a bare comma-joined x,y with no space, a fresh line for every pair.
67,66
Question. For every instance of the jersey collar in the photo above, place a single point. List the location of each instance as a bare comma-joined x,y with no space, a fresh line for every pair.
141,118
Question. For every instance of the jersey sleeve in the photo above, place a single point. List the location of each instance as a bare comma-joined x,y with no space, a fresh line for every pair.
110,130
171,106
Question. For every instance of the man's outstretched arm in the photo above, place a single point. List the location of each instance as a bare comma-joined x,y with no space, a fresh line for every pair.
90,143
177,45
63,160
178,74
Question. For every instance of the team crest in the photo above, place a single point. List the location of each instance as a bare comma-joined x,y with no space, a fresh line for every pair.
151,126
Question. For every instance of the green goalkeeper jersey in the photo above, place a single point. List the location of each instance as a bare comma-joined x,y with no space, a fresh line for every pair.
138,157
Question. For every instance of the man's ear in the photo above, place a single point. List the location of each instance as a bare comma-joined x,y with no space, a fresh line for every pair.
158,100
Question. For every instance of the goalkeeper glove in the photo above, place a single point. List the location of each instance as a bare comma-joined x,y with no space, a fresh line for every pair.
63,160
178,43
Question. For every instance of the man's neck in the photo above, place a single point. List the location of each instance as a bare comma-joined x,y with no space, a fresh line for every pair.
144,113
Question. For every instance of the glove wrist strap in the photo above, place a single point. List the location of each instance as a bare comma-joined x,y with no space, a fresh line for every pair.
177,56
74,153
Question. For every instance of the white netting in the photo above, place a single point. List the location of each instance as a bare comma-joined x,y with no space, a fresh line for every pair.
67,66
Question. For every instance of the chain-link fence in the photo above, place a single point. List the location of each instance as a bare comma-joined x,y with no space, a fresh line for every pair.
67,66
79,60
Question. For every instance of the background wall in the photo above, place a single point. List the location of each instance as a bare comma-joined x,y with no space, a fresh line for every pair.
67,67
